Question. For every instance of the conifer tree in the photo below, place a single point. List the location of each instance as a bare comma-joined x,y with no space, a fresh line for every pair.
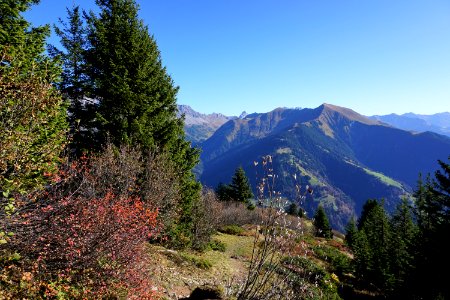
293,209
374,224
74,78
240,186
433,218
321,224
350,233
224,192
32,113
401,254
135,97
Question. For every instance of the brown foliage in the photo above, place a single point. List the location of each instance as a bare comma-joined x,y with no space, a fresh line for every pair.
32,125
89,227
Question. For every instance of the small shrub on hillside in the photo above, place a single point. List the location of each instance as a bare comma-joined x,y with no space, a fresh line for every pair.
201,263
205,215
238,213
309,280
217,245
339,263
88,229
232,229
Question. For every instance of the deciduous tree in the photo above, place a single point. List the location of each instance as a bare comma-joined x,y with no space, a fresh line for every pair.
32,113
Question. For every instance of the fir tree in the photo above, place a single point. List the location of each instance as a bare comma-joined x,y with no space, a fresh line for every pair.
350,233
74,83
432,211
137,96
321,224
224,192
240,186
374,225
114,61
401,254
293,209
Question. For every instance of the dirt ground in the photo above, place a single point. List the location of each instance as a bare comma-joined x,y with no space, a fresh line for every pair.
176,274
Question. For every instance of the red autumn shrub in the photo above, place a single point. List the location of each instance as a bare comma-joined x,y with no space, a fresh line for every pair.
88,229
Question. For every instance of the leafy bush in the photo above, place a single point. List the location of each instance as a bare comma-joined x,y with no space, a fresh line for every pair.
309,280
232,229
339,262
199,262
88,229
205,215
217,245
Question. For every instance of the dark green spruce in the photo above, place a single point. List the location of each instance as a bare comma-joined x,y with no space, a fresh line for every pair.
372,246
241,189
74,79
134,96
433,219
321,224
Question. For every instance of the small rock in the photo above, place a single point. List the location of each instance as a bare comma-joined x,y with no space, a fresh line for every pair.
207,292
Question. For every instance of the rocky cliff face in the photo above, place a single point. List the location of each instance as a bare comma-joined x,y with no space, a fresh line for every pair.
198,126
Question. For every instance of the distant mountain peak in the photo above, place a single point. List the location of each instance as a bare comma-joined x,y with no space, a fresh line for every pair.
439,123
198,126
348,113
243,115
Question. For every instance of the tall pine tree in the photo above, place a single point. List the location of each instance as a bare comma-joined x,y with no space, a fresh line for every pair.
403,238
135,97
433,218
372,246
74,82
240,186
350,233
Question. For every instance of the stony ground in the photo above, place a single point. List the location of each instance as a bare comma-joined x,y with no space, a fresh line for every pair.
177,273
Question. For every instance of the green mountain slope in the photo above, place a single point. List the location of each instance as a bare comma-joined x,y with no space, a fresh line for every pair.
346,157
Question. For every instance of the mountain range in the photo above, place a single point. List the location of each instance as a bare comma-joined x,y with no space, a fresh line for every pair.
345,157
198,127
439,123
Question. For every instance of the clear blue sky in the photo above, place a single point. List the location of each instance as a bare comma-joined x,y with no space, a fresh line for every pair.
374,56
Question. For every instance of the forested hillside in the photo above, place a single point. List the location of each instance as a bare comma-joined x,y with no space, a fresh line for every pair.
346,157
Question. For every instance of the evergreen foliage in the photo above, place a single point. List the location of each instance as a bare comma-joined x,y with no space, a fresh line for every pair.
350,233
74,79
137,96
403,239
240,186
372,245
224,192
238,190
432,212
293,209
116,62
32,113
321,224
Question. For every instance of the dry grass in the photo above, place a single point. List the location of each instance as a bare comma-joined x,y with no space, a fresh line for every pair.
175,274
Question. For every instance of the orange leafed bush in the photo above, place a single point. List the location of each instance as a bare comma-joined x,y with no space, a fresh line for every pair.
83,232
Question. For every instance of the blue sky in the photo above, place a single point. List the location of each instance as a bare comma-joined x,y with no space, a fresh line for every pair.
374,56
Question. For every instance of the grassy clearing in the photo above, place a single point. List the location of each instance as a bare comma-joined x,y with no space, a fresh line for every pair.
383,178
